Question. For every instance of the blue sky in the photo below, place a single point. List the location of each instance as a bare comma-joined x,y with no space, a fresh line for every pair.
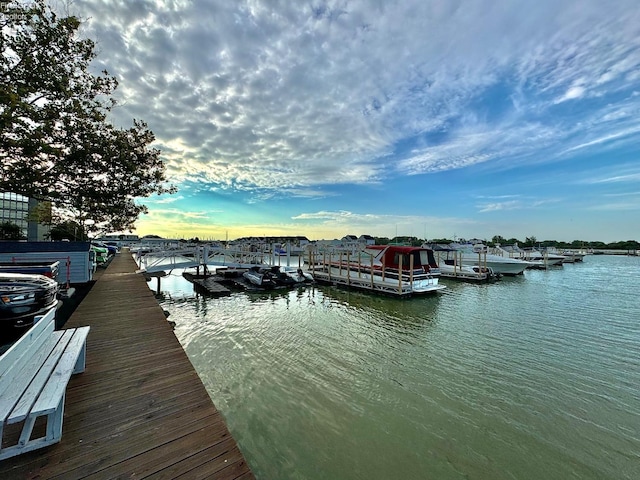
416,117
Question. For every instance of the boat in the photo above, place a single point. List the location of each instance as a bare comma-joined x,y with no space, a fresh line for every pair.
275,276
281,278
546,256
572,257
451,266
260,277
297,274
392,259
479,255
385,268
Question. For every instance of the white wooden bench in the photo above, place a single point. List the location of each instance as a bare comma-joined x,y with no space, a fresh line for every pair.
34,373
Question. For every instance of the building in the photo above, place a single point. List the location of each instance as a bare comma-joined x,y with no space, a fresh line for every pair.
349,238
25,212
367,239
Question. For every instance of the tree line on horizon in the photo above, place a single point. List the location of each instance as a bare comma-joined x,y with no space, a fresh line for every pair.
528,242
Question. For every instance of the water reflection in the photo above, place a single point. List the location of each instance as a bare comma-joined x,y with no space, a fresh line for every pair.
391,311
530,377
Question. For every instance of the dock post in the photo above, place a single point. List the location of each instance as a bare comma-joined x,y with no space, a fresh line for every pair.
371,270
411,272
288,254
348,269
400,276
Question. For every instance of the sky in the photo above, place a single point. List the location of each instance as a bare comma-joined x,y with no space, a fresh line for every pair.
435,119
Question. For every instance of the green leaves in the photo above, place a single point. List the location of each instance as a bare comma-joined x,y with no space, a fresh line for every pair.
55,141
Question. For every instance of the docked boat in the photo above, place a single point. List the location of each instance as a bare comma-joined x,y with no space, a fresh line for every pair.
260,277
389,269
547,257
451,266
297,274
393,259
572,257
478,255
281,278
276,276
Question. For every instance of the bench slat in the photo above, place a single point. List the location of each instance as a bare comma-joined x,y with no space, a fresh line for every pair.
53,391
29,396
22,350
23,375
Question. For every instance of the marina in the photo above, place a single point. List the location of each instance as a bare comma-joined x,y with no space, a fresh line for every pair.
533,376
252,282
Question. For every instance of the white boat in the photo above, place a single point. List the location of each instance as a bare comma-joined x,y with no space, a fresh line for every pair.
297,274
259,277
572,257
547,256
536,258
479,255
465,272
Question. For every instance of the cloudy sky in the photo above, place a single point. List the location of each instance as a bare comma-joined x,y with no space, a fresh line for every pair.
432,118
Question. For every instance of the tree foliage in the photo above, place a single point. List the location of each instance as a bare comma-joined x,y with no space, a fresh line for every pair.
10,231
69,230
56,142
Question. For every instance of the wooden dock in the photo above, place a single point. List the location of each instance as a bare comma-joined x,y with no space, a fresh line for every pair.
207,284
139,410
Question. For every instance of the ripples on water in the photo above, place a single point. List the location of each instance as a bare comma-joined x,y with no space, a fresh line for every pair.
533,377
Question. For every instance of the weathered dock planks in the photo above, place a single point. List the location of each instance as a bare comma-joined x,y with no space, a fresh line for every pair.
208,284
139,410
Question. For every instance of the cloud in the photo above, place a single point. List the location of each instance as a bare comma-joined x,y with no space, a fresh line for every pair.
166,200
625,173
496,206
518,204
616,206
634,177
417,225
293,96
183,213
576,91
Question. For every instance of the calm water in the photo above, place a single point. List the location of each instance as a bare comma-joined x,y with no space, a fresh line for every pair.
535,377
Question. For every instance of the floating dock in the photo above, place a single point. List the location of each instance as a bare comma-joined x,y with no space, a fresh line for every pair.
139,410
207,284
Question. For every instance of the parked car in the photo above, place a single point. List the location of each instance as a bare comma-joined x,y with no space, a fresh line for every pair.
22,298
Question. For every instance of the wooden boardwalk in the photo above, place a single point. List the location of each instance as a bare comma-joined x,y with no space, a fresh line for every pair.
139,410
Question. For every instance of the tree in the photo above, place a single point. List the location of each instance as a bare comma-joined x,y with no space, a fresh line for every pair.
114,172
10,231
69,230
498,239
56,143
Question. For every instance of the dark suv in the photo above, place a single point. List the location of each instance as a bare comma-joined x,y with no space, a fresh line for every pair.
22,298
